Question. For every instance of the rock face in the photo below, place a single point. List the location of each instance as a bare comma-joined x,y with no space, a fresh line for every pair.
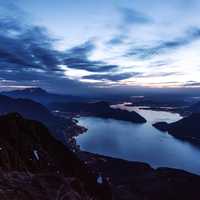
33,165
138,181
98,109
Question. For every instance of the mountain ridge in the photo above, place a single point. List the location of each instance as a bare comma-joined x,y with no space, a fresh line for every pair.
39,166
40,95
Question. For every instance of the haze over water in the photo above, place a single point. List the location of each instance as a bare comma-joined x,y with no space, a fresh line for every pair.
139,142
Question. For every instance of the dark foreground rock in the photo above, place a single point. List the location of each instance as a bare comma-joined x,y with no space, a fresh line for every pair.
138,181
35,166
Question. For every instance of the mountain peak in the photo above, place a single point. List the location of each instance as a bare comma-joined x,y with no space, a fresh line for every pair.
35,90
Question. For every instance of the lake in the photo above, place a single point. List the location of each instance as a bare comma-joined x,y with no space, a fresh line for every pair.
139,142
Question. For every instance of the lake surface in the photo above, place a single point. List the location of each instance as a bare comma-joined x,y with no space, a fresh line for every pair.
139,142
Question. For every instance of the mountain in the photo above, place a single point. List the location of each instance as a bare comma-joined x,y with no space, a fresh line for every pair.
27,108
33,165
97,109
36,111
41,96
187,128
195,108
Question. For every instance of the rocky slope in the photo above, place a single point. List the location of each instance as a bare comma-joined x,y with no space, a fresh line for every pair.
33,165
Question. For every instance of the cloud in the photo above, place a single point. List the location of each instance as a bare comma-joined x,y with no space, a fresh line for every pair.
192,84
26,46
116,40
112,77
160,74
77,58
146,52
131,16
28,57
128,17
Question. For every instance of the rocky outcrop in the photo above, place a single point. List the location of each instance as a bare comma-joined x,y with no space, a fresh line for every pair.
33,165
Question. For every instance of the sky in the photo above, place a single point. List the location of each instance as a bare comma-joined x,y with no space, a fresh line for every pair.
107,46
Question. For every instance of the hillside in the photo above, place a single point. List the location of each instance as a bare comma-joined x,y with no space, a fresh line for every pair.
97,109
36,166
187,128
60,127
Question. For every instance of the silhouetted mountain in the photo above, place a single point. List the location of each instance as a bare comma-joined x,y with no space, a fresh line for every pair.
98,109
195,108
40,95
36,111
187,128
36,166
27,108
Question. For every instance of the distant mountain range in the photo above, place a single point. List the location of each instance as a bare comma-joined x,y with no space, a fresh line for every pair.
42,96
35,111
36,166
98,109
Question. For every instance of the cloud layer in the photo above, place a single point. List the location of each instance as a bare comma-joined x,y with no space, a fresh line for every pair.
129,45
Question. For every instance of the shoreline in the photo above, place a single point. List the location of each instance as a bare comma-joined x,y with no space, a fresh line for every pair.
116,172
78,151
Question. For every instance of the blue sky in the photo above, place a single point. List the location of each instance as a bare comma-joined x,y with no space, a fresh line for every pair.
95,45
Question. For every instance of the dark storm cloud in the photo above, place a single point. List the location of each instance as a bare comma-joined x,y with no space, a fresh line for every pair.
112,77
77,58
32,47
92,66
148,51
26,47
28,57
